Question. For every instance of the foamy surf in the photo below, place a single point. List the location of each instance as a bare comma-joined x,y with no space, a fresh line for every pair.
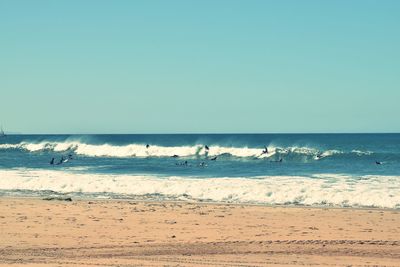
140,150
137,150
326,189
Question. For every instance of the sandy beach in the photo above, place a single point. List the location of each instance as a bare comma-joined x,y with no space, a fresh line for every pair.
37,232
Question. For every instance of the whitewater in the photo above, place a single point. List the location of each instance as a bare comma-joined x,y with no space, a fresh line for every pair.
140,150
353,170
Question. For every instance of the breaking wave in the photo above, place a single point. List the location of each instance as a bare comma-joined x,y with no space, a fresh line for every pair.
140,150
326,189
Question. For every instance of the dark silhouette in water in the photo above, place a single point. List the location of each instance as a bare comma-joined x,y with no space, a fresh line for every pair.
185,163
52,161
70,156
214,158
147,146
206,147
61,160
175,156
265,151
378,162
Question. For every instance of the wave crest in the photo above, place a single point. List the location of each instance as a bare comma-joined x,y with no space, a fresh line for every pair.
140,150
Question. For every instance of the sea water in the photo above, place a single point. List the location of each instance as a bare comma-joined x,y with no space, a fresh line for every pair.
355,170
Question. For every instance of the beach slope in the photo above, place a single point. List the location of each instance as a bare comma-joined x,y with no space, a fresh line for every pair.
37,232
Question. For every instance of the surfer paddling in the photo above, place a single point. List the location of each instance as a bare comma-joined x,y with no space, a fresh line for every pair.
62,160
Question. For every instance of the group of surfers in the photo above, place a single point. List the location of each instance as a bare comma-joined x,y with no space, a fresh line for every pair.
185,163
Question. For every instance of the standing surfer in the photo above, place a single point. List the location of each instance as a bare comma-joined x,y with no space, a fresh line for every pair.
265,150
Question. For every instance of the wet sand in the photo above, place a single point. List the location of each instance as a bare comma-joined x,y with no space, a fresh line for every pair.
37,232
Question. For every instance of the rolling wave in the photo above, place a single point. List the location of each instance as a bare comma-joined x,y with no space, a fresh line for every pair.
140,150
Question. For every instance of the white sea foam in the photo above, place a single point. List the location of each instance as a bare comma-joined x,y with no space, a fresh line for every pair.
361,153
140,150
10,146
327,189
327,153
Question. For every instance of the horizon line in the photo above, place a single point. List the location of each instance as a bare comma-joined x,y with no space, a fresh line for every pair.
198,133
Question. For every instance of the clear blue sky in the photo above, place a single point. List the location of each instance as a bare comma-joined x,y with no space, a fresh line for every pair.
199,66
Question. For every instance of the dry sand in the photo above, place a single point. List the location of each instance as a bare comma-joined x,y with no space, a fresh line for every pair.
36,232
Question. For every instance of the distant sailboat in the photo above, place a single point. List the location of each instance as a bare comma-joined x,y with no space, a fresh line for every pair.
2,134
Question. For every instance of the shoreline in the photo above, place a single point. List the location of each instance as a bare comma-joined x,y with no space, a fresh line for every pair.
127,232
199,202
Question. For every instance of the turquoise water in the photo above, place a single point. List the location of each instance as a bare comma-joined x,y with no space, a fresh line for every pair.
302,169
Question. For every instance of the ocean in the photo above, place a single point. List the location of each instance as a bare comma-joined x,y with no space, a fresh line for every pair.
340,170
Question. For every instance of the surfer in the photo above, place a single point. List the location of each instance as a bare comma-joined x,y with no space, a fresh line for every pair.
214,158
52,161
185,163
378,162
61,160
206,147
175,156
265,150
147,146
69,156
